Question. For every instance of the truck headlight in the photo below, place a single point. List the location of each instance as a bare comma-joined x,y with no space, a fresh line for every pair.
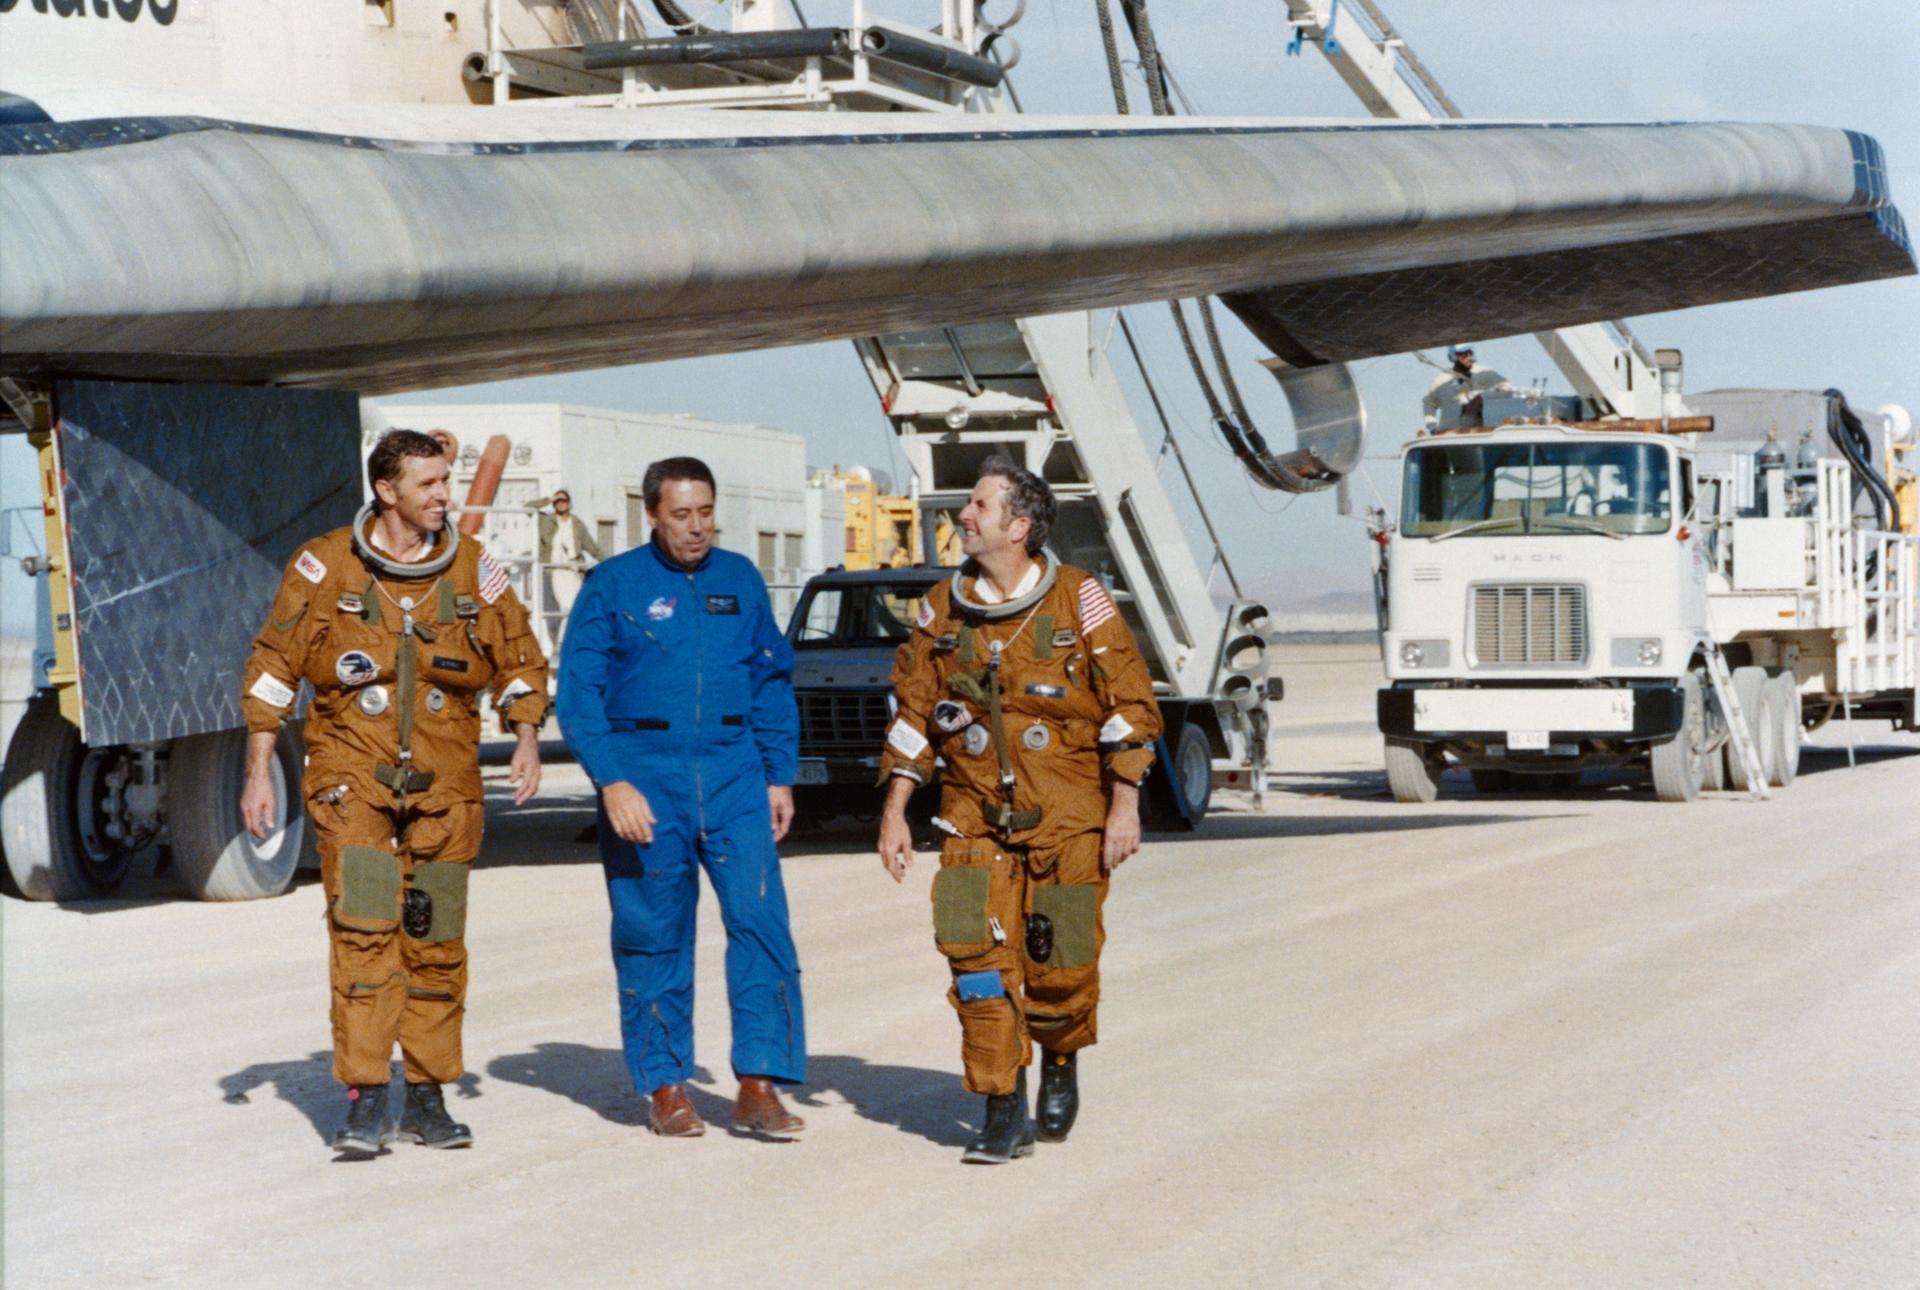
1429,653
1637,651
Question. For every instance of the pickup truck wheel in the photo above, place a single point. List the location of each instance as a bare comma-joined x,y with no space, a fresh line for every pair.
213,853
1785,729
1750,687
1412,772
1680,764
48,799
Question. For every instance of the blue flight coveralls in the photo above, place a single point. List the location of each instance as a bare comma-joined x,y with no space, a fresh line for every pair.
678,681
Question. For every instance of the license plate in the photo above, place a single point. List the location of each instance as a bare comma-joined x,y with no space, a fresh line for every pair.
1527,740
811,772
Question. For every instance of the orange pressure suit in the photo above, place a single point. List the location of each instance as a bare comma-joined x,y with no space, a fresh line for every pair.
1035,707
398,656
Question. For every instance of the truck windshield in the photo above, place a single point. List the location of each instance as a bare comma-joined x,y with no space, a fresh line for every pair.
1500,489
875,613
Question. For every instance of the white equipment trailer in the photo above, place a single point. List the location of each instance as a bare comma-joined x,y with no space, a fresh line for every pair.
1562,596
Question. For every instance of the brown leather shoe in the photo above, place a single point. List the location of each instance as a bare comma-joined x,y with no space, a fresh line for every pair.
672,1116
758,1110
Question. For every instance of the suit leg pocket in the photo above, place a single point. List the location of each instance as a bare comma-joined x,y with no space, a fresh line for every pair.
1073,911
440,887
369,899
961,926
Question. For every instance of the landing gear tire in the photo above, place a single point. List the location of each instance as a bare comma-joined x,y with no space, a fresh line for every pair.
1785,729
1413,774
1492,781
215,856
48,796
1750,687
1680,764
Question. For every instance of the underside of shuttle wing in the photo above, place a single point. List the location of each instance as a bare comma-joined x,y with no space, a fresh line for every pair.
364,254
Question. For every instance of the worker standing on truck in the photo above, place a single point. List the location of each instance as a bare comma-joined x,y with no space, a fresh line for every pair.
1021,677
399,624
1463,387
676,696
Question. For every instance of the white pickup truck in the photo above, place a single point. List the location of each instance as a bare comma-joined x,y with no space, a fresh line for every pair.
1553,591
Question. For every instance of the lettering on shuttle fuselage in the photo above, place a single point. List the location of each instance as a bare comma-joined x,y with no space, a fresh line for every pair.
163,11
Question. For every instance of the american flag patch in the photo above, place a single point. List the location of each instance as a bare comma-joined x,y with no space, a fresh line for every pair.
1096,606
493,579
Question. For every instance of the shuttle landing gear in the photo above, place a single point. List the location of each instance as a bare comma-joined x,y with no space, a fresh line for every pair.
64,810
74,818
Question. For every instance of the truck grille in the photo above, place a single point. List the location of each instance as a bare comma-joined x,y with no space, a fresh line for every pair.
1529,624
839,722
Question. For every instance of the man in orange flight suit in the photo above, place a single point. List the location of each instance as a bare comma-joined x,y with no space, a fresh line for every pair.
399,624
1022,678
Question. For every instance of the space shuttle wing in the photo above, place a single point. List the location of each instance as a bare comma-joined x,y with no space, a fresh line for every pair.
391,248
1645,256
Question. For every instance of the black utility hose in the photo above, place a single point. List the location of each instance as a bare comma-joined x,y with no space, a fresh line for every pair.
1243,438
1850,436
676,17
1115,78
1142,28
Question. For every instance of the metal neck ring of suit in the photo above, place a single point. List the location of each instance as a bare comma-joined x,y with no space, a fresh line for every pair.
1049,574
387,566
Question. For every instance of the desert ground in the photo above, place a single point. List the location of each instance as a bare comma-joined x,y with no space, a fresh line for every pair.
1497,1041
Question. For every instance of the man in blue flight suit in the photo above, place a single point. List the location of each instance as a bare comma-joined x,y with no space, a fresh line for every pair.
675,696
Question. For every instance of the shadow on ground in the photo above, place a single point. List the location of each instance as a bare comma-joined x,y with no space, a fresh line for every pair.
307,1085
1371,786
1223,828
928,1104
597,1079
1818,761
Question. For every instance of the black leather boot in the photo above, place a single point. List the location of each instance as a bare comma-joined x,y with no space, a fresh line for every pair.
424,1120
1009,1131
365,1131
1059,1095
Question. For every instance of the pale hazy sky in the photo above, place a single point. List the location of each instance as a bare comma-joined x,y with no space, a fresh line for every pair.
1848,63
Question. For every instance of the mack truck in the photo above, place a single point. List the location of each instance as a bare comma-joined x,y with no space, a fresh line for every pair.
1687,596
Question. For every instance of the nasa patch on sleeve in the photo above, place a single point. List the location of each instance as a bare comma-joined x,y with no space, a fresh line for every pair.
310,569
925,617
